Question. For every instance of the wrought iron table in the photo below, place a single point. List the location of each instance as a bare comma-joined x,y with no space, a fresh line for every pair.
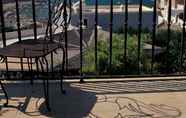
38,50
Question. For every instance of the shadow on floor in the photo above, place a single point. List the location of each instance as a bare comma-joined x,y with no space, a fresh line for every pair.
29,100
83,100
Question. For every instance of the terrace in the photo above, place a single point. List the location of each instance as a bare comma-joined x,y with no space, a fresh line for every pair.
106,71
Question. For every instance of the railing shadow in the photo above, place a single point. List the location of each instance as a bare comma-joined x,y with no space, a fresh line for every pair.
133,87
113,96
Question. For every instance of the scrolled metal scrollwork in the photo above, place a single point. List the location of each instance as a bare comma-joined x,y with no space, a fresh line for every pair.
61,17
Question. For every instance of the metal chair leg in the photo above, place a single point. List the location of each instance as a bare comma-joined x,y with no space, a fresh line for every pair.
5,93
30,70
46,95
47,87
45,84
47,98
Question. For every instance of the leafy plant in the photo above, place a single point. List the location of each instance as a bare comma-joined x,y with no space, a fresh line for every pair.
169,60
170,57
118,61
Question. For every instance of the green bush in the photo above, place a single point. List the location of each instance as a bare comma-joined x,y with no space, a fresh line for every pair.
118,62
172,56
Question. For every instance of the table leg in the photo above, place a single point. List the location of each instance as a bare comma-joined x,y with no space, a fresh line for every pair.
29,61
5,93
22,69
45,86
37,67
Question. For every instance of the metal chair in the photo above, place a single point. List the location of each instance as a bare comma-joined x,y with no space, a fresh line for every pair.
38,49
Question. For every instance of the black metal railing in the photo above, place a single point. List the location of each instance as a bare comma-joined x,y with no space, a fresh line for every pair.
110,53
81,38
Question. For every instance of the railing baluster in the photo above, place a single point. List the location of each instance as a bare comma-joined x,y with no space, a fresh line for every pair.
183,38
81,40
3,33
18,20
139,36
66,37
18,28
51,35
153,34
34,19
50,18
111,31
2,24
126,33
35,25
168,35
96,35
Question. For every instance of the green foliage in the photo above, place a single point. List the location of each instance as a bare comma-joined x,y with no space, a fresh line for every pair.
118,62
170,57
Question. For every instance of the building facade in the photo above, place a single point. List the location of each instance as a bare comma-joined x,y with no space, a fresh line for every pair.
177,8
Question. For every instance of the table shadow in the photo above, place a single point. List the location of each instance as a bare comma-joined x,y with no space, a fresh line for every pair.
76,103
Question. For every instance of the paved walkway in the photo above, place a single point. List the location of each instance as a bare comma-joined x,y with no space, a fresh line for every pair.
98,100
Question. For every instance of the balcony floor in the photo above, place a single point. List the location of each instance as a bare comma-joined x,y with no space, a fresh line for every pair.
98,99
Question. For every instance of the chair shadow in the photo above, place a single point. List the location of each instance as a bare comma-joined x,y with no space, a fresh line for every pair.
76,103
